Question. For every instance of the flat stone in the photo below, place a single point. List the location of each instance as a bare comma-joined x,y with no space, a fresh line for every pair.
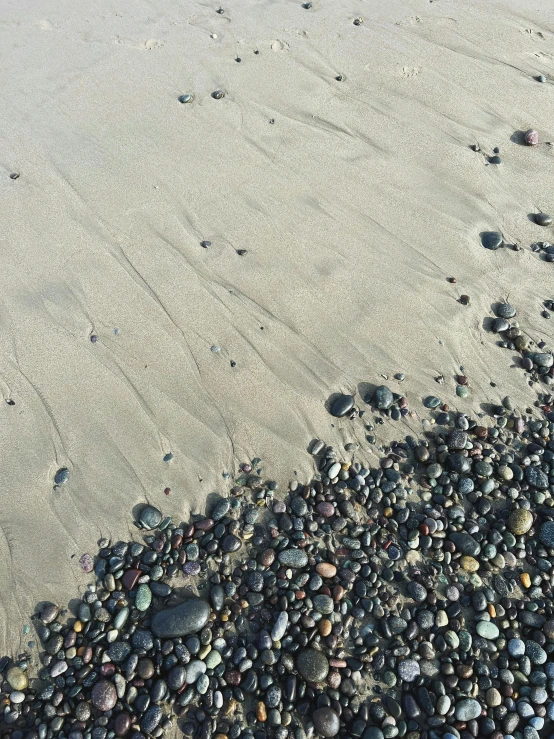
312,665
186,618
505,310
536,477
280,626
543,219
465,543
150,517
129,578
294,558
487,630
342,405
467,710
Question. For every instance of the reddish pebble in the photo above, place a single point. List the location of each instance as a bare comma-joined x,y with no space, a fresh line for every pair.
122,724
531,137
326,569
267,557
338,592
167,491
233,677
337,663
107,669
129,579
334,680
300,595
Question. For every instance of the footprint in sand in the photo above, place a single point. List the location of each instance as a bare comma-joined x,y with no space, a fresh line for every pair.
279,45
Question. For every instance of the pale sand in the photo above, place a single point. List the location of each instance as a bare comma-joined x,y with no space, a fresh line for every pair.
354,206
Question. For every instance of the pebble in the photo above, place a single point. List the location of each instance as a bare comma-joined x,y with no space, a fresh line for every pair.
186,618
531,137
492,240
383,397
326,722
150,517
103,695
341,406
543,219
520,521
61,476
312,665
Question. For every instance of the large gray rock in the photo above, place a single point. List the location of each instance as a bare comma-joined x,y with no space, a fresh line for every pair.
186,618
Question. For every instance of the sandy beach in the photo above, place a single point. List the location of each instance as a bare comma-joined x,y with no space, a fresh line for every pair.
339,160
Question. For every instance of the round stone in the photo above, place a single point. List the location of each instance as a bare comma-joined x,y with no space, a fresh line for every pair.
531,137
469,564
325,569
383,397
520,521
431,402
516,648
312,665
17,678
326,722
103,695
342,405
408,670
324,604
492,240
150,517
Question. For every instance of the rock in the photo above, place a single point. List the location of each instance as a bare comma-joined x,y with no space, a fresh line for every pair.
492,240
408,670
294,558
61,476
487,630
469,564
383,398
221,509
325,569
326,722
143,597
543,219
547,534
342,405
465,543
504,310
312,665
231,543
150,517
531,137
467,710
186,618
520,521
103,695
280,626
17,678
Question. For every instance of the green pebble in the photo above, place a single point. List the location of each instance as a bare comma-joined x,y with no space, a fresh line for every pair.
462,391
213,659
143,597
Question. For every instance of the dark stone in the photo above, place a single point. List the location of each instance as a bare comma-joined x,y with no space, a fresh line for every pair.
342,405
186,618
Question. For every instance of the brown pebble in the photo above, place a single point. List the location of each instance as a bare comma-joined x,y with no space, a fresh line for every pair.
261,713
326,569
324,627
267,557
451,280
464,299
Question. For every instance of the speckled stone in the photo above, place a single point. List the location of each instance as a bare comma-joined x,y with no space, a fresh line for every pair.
312,665
520,521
